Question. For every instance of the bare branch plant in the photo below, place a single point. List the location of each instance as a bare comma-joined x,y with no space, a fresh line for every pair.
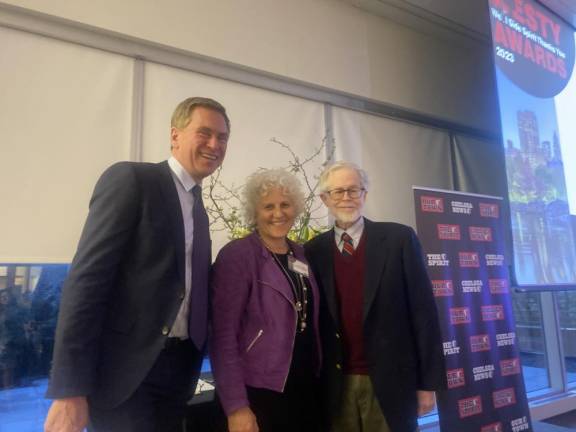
224,202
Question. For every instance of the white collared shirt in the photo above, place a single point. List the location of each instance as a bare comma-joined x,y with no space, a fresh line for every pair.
355,231
184,184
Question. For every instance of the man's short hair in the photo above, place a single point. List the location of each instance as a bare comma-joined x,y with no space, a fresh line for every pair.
324,177
183,112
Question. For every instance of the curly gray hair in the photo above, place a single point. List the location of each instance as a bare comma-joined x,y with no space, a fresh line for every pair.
261,182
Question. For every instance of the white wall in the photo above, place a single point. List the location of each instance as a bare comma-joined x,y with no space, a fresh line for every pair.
325,42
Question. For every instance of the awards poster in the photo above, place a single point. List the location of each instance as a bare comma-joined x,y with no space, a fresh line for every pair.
462,240
534,54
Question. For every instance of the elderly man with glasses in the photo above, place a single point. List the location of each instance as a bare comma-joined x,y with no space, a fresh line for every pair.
381,339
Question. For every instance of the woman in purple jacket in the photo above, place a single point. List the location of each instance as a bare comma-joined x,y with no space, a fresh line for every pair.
265,347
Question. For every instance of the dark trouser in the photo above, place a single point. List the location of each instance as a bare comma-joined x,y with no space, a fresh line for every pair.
159,402
295,410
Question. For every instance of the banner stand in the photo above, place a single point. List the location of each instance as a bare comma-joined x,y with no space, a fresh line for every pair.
463,242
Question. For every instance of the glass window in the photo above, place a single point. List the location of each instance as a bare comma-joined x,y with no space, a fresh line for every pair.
566,304
29,298
531,343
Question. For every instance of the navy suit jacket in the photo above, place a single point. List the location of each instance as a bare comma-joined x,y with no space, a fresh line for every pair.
402,341
124,288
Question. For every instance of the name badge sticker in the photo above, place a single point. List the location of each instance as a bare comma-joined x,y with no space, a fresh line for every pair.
298,266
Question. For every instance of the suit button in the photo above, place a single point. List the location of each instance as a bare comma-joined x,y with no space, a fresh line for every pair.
165,330
337,335
338,366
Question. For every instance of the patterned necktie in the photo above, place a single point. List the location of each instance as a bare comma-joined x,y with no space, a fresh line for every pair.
347,244
201,257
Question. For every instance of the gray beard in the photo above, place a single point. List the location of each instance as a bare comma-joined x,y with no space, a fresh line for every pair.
347,218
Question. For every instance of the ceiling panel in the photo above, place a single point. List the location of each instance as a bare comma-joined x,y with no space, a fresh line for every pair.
565,8
464,17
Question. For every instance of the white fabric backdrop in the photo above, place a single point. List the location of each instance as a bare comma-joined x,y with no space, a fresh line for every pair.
256,115
397,155
65,116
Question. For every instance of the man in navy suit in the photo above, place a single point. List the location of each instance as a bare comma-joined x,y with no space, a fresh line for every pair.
382,350
133,314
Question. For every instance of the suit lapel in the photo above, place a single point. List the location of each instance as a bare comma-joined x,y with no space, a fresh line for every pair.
174,213
325,265
375,257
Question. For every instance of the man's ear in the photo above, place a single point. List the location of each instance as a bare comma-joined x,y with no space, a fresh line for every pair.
324,198
174,132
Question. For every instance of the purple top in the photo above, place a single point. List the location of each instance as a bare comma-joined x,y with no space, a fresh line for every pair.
254,321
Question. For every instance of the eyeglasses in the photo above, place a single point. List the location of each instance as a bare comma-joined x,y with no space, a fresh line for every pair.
353,193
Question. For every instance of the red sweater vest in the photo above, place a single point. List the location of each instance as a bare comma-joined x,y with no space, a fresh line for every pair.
349,279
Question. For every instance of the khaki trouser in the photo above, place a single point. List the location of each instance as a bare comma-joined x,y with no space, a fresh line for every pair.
360,411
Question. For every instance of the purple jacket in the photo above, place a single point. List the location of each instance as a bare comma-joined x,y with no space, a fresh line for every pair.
254,321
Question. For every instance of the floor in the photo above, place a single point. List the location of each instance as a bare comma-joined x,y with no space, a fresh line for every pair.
24,409
538,427
567,420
